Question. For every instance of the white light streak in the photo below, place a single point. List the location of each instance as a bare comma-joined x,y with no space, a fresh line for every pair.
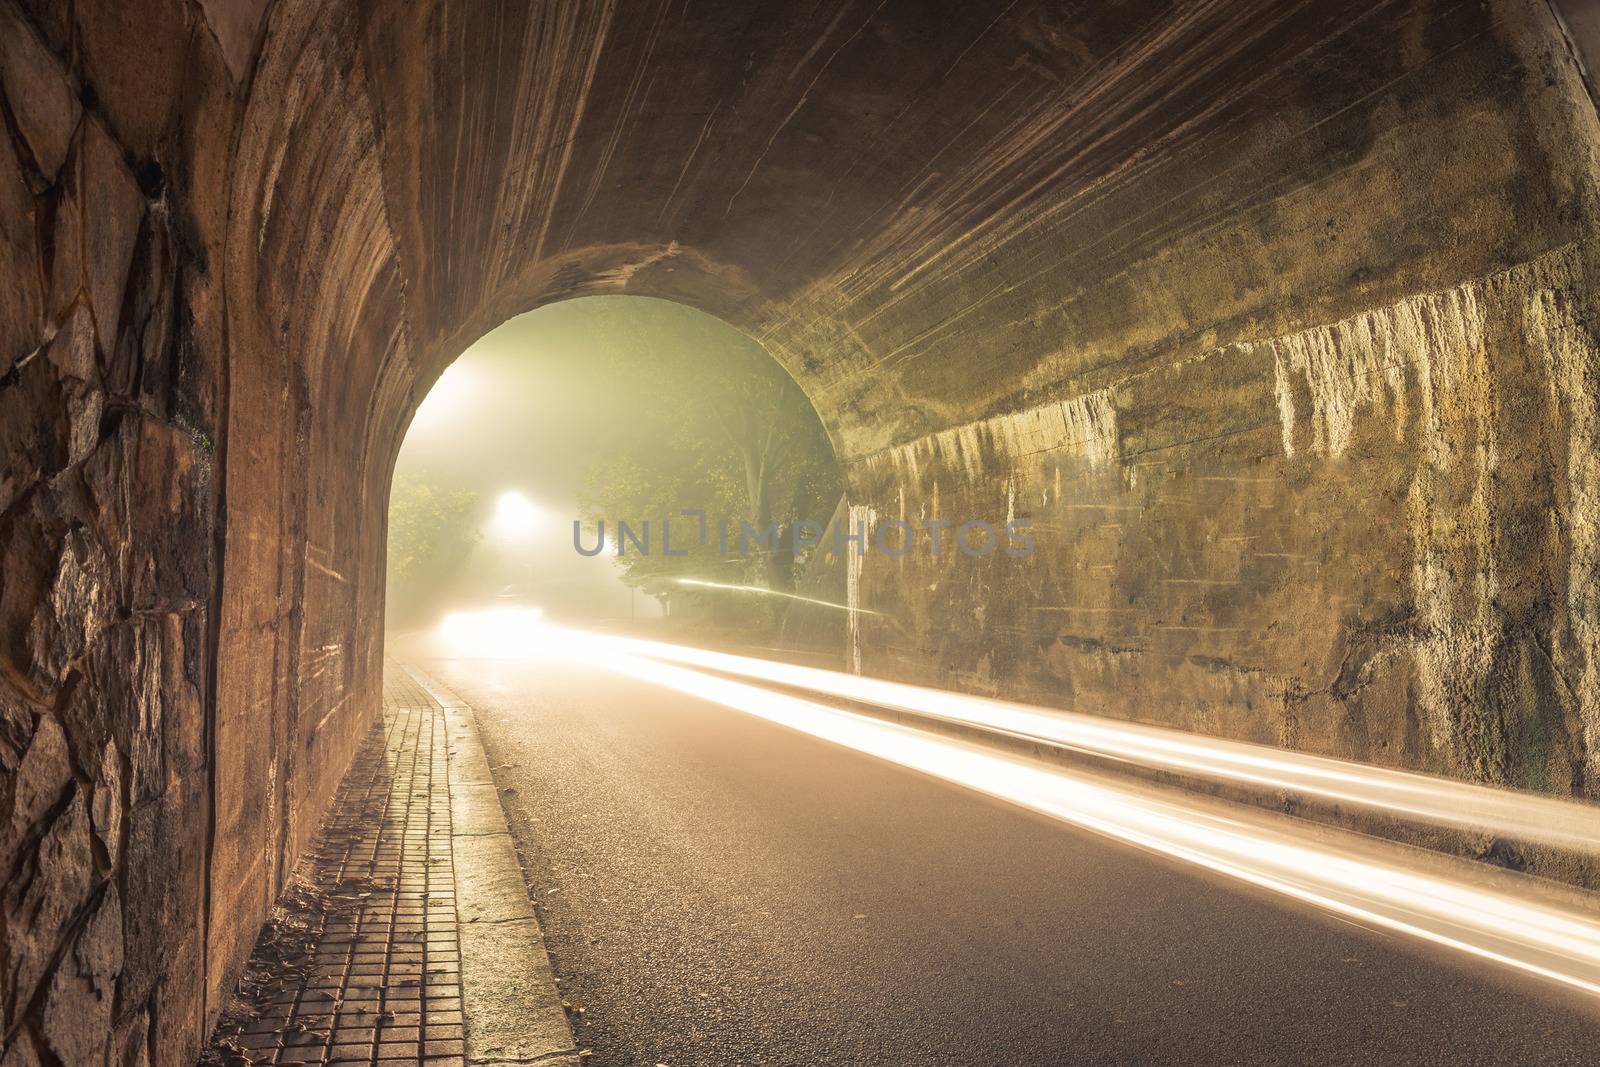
774,592
1461,805
1507,919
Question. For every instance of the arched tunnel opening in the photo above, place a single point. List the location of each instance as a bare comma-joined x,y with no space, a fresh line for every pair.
622,462
1199,660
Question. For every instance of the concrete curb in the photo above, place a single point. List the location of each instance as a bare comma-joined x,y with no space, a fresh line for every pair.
508,991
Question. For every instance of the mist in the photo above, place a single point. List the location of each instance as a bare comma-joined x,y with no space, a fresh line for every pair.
500,458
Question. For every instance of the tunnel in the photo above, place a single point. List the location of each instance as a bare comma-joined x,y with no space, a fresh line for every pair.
1277,319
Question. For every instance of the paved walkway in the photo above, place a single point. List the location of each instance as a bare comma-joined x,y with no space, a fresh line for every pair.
362,963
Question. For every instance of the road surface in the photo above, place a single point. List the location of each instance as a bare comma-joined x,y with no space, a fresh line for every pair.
716,889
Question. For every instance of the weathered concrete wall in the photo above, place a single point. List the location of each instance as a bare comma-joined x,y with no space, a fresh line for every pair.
1319,469
1372,538
312,295
1276,318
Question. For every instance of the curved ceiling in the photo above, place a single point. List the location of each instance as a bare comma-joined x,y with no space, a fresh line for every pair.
928,211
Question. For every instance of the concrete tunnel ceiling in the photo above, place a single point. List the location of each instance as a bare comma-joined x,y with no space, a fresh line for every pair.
930,212
1276,318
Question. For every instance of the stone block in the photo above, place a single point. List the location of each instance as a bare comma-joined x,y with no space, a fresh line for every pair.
180,995
489,883
76,1021
21,298
72,348
97,214
16,733
72,353
80,604
141,356
130,1045
40,783
106,804
183,723
122,707
115,207
139,722
138,56
38,91
235,23
35,429
62,210
51,20
90,707
22,1052
476,811
146,481
30,544
507,994
85,406
161,883
52,883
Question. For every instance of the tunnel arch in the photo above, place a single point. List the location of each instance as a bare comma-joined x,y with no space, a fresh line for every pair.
668,273
1001,270
589,337
1171,276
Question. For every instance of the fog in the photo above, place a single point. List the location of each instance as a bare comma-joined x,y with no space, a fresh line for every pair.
503,443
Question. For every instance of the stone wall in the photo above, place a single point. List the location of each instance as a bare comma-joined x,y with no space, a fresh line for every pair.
1318,472
1276,319
108,481
1372,538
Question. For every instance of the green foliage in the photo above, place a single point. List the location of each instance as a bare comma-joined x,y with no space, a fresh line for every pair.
623,485
427,524
724,430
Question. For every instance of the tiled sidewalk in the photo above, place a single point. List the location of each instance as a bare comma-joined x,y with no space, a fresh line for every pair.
362,963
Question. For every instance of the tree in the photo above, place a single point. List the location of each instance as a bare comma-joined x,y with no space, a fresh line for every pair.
428,524
724,430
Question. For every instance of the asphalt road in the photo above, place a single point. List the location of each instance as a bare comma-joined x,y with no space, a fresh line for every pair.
716,889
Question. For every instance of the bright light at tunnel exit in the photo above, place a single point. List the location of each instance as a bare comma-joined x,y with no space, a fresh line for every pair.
499,633
515,517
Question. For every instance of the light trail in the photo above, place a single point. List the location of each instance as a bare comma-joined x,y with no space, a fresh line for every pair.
774,592
1497,916
1553,821
497,633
